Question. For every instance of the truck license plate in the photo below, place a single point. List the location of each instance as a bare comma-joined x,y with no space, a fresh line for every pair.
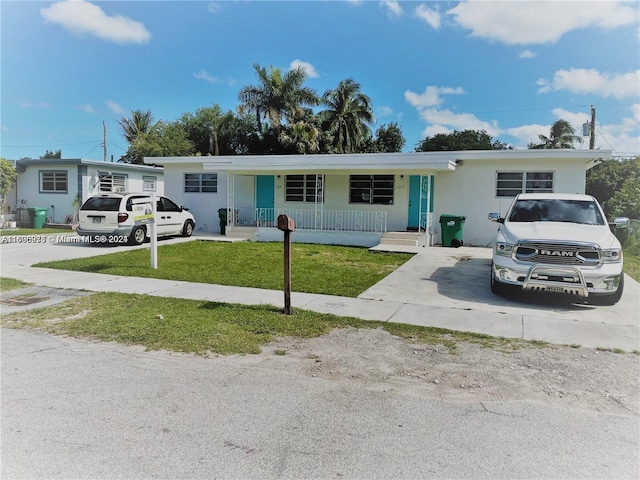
553,289
97,220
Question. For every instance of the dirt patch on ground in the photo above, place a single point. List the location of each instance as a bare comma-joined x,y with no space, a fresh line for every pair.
578,378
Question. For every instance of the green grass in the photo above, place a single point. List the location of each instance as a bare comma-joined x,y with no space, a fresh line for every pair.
201,327
34,231
325,269
631,258
11,284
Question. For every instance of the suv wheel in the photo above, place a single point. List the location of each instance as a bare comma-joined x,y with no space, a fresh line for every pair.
187,230
138,236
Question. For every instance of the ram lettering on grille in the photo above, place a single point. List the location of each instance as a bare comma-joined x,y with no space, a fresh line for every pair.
558,254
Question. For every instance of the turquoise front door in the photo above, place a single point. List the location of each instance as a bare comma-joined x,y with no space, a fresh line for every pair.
265,188
415,198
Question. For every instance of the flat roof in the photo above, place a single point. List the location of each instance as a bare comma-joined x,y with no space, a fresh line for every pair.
379,162
22,164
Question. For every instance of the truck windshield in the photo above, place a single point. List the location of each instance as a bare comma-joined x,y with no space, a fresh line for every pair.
553,210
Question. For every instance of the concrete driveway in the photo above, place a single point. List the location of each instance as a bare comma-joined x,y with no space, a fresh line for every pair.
441,287
457,279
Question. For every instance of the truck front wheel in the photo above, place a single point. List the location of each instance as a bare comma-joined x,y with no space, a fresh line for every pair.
497,287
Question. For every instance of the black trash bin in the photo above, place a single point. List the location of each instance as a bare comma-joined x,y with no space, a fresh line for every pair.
451,227
222,214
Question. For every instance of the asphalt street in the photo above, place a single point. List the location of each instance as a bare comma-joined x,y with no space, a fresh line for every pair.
83,410
78,409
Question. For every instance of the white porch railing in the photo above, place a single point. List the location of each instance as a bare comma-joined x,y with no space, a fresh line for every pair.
332,220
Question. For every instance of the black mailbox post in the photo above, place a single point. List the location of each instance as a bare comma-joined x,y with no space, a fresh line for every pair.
287,225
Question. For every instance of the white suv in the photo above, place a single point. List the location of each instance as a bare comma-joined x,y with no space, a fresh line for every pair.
558,243
110,217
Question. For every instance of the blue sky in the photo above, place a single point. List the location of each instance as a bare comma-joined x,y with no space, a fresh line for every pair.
511,68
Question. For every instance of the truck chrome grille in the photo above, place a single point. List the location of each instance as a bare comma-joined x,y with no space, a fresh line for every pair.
557,253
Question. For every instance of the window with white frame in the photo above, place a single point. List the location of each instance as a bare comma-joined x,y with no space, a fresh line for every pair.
112,182
304,188
372,189
53,181
148,183
200,182
510,184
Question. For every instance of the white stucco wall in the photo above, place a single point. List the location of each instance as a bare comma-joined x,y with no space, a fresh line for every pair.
336,197
471,191
60,204
203,206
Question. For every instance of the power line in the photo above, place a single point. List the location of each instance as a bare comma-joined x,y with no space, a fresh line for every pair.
47,146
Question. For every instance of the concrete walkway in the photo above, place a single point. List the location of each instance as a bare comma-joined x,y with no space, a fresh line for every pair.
441,287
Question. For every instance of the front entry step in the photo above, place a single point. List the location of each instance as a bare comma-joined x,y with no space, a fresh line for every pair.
408,239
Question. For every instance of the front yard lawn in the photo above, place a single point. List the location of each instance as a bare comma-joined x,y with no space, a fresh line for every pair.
201,327
325,269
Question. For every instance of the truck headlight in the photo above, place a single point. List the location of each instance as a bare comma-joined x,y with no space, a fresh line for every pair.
612,255
504,249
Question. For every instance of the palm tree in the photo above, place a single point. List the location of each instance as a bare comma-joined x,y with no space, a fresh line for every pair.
277,95
561,135
347,115
140,122
302,136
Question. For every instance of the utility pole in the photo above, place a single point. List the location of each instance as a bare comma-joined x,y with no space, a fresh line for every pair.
104,142
592,137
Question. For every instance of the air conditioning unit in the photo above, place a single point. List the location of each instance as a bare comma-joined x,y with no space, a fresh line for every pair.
119,189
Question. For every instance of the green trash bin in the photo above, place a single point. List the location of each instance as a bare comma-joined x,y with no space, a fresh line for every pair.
222,214
451,227
39,216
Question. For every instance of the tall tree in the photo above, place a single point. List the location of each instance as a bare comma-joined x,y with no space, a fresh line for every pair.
461,140
8,177
347,115
561,135
139,122
277,96
616,185
388,139
50,154
163,140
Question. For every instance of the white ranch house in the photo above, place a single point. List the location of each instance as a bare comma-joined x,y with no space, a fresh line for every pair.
356,199
54,183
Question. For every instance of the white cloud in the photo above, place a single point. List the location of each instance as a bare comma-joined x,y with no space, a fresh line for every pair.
204,75
39,104
457,121
384,111
591,81
87,108
431,97
306,66
428,15
393,8
83,17
4,128
215,7
527,54
536,22
114,107
622,138
207,77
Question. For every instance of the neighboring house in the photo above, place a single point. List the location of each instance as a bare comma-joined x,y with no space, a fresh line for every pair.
55,183
354,199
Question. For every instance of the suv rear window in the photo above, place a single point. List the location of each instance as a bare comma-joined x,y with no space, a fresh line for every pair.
104,204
